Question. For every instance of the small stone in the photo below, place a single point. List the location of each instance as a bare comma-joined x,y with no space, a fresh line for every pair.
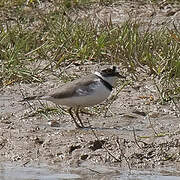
53,123
84,157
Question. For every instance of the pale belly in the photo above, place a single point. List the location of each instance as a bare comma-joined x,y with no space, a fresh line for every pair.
97,96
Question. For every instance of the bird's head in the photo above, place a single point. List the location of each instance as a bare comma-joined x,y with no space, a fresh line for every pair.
111,75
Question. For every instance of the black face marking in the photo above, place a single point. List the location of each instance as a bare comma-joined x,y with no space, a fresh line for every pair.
108,72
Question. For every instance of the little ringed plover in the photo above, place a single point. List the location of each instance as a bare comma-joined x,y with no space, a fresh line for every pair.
86,91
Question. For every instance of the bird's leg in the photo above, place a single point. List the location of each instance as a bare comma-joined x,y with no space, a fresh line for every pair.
77,115
70,112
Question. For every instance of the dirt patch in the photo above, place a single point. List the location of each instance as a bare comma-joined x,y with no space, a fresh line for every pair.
148,15
137,132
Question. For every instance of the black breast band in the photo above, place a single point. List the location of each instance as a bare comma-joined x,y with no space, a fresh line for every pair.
106,84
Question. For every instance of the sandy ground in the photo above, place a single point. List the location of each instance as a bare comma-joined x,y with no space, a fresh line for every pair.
149,15
137,132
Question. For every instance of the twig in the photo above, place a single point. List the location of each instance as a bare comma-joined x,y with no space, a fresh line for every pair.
115,96
94,171
102,143
31,107
177,107
117,141
152,127
134,134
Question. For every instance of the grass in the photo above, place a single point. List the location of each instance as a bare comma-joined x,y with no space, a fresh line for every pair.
34,40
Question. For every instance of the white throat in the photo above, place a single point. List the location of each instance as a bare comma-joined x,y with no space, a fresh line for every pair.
111,80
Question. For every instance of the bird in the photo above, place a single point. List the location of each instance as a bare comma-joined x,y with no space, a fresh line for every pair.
86,91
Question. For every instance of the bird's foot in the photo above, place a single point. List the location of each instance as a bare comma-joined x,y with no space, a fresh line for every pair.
83,127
